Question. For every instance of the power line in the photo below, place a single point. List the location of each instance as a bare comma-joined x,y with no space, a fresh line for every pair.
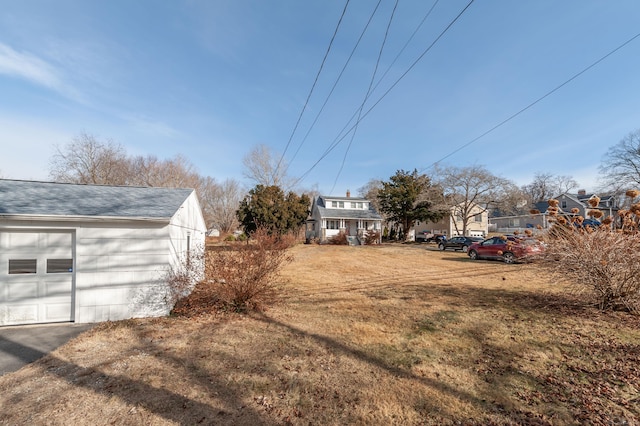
366,96
415,31
340,139
359,110
312,87
381,78
511,117
364,30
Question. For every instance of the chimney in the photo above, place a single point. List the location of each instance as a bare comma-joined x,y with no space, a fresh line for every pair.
582,192
348,193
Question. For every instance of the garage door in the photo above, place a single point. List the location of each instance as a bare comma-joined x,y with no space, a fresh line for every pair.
36,277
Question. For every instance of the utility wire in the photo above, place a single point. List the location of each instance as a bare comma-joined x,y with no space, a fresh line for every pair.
406,44
364,30
338,140
366,96
356,112
312,87
511,117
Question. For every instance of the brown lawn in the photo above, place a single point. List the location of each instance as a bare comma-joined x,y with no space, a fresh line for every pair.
397,334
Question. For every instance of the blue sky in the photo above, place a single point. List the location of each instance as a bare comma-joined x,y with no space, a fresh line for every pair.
212,79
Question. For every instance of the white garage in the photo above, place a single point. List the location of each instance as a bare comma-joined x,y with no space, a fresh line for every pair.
88,253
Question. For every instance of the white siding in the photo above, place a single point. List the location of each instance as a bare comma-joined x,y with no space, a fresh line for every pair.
120,265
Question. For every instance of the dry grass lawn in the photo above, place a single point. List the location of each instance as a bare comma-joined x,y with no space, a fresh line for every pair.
396,334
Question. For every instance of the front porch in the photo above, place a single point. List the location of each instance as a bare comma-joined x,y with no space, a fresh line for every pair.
353,228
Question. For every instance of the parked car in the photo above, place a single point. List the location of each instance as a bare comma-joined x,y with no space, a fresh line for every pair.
509,249
428,237
459,243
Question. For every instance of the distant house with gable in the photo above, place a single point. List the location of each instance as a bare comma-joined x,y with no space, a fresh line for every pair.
608,204
331,215
451,224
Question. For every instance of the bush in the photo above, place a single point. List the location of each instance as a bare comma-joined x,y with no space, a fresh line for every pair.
340,239
601,265
183,277
601,262
372,237
239,277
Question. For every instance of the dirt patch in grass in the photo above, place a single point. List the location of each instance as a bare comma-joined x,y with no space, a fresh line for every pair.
397,334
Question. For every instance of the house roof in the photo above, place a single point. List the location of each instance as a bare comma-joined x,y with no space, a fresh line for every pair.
348,213
585,197
18,197
357,199
342,213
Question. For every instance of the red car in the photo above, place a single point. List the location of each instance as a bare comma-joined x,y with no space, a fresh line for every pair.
508,249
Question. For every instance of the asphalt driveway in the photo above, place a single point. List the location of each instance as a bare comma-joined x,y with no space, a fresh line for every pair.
21,345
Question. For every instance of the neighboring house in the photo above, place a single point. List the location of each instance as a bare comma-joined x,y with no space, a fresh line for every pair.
88,253
608,205
351,215
451,225
509,224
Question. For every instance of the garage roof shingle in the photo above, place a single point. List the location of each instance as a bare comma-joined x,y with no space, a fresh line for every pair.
18,197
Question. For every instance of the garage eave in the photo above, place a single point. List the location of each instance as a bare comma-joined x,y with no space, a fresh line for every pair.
78,218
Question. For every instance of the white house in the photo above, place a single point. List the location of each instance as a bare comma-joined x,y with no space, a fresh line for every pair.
451,224
352,215
88,253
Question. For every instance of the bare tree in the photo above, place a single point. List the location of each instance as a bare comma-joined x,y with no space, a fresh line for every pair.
370,191
145,171
471,191
177,172
547,185
87,160
220,202
620,166
263,167
566,184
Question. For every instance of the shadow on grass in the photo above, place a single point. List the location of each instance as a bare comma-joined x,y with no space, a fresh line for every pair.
338,347
162,402
510,393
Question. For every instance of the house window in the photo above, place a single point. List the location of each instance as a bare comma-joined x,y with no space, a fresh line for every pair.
334,204
564,204
359,205
341,204
478,218
333,224
58,266
22,266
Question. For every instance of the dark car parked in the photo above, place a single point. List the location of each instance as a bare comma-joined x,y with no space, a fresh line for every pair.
458,243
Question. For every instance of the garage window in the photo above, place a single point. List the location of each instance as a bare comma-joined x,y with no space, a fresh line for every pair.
57,266
22,266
